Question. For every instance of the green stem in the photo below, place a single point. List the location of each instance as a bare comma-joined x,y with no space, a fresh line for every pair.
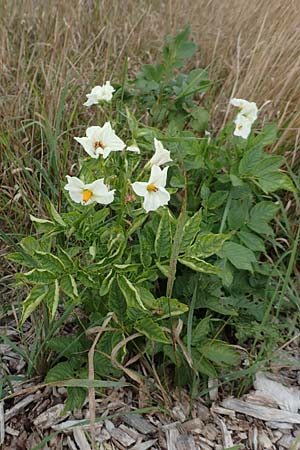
190,321
123,188
176,243
289,271
226,211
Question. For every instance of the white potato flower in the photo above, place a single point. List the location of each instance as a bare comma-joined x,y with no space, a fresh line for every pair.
247,109
100,93
154,192
133,148
242,126
101,141
245,118
161,155
86,194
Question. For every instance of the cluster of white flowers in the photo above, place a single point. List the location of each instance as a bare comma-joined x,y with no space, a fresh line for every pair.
245,118
100,142
153,191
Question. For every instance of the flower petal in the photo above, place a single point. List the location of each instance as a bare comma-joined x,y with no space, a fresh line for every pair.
140,188
76,196
74,183
87,145
96,91
151,201
94,133
164,196
243,126
105,199
91,101
161,155
97,187
238,102
110,139
158,177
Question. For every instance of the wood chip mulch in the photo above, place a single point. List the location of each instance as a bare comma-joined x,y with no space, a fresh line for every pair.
266,418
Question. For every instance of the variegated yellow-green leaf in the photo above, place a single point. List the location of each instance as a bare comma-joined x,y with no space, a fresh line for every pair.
130,293
190,230
41,276
163,237
68,285
198,265
206,245
50,262
32,301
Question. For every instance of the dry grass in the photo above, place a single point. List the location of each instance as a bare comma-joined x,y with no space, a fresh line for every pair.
252,50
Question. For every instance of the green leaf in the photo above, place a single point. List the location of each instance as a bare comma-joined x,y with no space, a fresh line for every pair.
273,181
116,301
267,136
241,257
41,221
102,357
43,225
226,274
21,258
197,81
52,298
201,330
68,285
163,238
151,330
190,230
219,352
202,364
260,215
218,305
238,213
199,119
198,265
216,199
55,300
98,217
75,399
50,262
137,224
42,276
30,245
65,258
206,245
32,301
106,283
145,250
236,181
164,307
249,161
251,241
66,345
55,216
130,293
61,371
164,268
